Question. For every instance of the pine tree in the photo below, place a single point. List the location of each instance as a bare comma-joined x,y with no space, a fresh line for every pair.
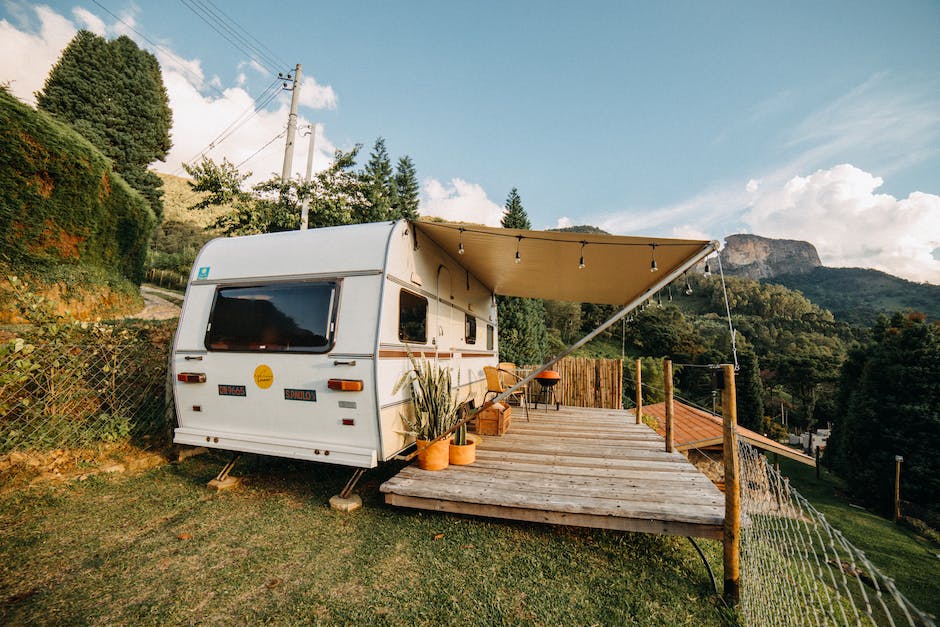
750,394
515,216
523,337
113,94
406,187
377,183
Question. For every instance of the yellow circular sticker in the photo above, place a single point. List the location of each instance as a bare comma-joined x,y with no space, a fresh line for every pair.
264,376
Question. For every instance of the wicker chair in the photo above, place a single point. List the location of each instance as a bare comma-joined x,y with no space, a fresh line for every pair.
498,380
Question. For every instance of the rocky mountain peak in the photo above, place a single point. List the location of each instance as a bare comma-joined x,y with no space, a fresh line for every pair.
756,257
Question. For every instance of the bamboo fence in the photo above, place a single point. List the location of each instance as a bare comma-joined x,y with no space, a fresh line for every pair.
585,383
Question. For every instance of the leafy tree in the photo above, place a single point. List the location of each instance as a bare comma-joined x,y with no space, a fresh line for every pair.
377,186
222,182
406,188
890,405
113,94
522,334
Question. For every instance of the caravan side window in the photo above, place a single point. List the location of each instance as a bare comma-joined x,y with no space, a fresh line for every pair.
412,318
490,340
471,329
279,317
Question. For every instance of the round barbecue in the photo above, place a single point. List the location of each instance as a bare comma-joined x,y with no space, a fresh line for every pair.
548,379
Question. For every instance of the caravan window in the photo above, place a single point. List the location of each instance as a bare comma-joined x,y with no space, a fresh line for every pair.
490,332
282,317
471,329
412,318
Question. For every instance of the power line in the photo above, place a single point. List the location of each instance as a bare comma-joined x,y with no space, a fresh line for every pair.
230,35
261,48
255,153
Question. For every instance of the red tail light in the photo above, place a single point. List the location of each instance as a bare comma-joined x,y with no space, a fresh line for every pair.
345,385
191,377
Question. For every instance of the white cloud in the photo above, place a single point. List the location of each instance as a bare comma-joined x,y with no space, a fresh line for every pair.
89,21
563,223
25,57
459,201
839,211
316,96
752,185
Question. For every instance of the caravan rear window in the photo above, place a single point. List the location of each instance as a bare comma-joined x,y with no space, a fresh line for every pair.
282,317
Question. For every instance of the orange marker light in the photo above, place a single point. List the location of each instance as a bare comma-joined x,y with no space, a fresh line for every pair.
345,385
191,377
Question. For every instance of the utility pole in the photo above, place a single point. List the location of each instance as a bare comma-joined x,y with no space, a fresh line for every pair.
305,210
291,127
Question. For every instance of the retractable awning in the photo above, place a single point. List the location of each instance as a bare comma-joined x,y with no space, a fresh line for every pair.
617,269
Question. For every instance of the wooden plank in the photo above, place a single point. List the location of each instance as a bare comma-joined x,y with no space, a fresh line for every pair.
587,462
523,466
558,518
591,431
554,486
473,493
573,449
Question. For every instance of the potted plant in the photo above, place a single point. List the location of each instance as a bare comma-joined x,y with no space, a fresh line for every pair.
435,410
463,448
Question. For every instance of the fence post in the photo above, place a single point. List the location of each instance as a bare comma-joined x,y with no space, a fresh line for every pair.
639,390
667,386
732,526
897,487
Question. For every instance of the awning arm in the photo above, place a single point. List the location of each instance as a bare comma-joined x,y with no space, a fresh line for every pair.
636,302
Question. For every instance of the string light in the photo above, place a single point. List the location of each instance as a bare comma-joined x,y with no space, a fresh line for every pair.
581,261
518,241
688,286
460,242
708,271
653,267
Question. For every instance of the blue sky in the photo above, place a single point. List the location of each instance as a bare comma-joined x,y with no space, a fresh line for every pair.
804,120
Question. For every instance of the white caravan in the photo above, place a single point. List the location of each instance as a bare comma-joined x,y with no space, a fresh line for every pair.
289,344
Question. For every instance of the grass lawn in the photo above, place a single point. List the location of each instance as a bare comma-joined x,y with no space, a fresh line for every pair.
158,547
908,558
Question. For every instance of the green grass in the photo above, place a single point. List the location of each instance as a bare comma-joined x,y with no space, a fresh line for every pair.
159,548
907,557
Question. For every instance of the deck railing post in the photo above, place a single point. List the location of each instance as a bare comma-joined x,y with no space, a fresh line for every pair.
732,527
639,391
667,386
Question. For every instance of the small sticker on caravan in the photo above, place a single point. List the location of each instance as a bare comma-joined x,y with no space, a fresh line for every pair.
264,376
203,273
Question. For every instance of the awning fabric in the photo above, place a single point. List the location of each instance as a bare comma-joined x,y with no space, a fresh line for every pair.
616,268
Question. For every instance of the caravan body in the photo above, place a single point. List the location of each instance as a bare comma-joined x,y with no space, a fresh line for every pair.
290,344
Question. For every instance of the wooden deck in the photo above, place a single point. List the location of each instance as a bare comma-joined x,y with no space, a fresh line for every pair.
576,466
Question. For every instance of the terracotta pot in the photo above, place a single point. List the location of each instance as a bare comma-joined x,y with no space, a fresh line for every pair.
434,456
463,455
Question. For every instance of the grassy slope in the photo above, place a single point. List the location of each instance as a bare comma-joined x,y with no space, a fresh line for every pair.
159,548
911,560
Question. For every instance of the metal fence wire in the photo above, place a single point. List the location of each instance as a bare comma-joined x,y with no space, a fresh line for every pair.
797,569
79,398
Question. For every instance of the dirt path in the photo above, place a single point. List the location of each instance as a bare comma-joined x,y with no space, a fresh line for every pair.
156,307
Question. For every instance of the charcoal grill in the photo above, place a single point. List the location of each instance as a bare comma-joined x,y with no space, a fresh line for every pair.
547,380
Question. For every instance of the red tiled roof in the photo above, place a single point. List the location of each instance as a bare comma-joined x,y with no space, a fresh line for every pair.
697,428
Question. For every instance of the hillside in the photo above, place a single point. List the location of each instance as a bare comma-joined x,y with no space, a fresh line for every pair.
69,224
177,240
859,295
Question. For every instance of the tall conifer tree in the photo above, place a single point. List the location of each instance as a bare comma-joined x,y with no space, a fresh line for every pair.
377,185
113,94
406,187
522,334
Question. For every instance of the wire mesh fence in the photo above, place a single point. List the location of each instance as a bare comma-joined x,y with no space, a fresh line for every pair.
797,569
67,404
